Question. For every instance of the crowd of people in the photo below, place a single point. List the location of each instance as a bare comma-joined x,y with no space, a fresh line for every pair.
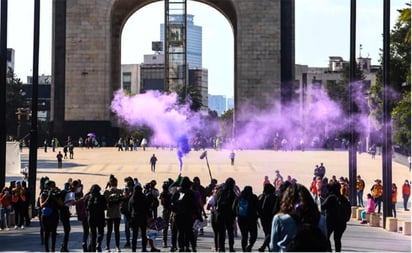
292,216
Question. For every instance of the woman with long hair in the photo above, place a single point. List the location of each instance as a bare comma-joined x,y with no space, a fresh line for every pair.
298,209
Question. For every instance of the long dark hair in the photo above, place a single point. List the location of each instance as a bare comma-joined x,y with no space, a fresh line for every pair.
298,202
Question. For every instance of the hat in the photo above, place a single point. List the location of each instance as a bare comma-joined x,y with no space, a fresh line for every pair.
378,181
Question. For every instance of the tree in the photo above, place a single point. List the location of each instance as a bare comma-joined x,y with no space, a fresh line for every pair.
14,100
191,95
226,123
400,81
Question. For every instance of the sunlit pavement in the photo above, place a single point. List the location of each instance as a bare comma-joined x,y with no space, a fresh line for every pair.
95,166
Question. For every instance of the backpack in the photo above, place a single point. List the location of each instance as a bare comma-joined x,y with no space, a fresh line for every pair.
243,207
308,238
344,208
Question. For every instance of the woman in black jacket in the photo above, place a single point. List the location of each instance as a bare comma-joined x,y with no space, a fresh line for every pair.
246,210
139,210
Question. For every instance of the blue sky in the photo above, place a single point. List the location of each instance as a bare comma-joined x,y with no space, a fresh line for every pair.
322,30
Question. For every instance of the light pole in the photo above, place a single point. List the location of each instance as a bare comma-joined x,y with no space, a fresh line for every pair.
3,82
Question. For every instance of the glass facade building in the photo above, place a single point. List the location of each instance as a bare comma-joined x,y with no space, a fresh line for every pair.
194,40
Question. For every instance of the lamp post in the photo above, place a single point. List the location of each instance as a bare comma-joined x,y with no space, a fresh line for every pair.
34,101
3,81
387,127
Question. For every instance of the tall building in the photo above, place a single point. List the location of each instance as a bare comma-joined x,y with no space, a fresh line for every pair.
194,40
130,79
230,103
217,103
199,78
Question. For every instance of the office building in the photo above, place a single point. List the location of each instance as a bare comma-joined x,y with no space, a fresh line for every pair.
194,40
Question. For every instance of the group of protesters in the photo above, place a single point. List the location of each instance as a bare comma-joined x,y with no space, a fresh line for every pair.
185,209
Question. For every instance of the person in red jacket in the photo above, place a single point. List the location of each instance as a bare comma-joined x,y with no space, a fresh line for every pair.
406,192
5,206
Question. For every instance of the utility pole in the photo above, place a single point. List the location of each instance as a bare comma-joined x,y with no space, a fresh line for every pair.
387,122
352,79
3,84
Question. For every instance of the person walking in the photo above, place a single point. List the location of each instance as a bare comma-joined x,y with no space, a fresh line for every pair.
153,161
95,207
186,209
298,212
225,217
336,217
266,210
360,186
232,158
45,145
59,157
246,210
406,192
49,204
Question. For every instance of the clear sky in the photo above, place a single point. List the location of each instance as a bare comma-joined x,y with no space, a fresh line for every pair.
321,30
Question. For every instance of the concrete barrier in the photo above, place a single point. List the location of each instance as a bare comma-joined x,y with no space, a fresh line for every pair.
406,227
375,219
368,217
391,224
358,213
353,213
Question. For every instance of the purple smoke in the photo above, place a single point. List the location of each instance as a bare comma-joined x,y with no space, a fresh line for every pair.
318,118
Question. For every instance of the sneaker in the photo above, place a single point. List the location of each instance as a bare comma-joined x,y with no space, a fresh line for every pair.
154,250
7,229
22,227
107,249
118,249
1,229
16,227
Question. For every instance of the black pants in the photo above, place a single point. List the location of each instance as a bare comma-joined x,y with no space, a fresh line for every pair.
266,223
97,232
85,226
337,230
19,214
215,228
135,228
247,227
115,222
49,224
185,235
65,219
225,225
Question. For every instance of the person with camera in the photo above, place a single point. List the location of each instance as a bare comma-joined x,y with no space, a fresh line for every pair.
113,197
50,202
5,207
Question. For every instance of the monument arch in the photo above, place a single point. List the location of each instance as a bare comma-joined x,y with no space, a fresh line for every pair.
86,57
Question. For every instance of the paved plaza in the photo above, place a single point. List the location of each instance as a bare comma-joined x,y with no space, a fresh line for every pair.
95,166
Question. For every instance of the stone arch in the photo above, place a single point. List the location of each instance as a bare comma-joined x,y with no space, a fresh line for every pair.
87,45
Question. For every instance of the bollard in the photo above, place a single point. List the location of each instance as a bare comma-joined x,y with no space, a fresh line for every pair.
375,219
12,219
391,224
353,213
406,227
358,213
368,217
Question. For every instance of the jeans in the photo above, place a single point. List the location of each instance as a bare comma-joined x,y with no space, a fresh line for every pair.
405,201
360,198
4,217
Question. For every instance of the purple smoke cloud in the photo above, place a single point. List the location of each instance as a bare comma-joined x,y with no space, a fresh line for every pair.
176,125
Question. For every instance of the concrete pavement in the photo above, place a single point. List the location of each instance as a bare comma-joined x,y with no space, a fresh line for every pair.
95,166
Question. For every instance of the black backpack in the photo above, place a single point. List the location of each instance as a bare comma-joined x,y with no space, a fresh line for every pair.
344,208
308,238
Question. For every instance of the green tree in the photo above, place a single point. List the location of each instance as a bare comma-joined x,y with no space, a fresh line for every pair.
14,100
191,95
226,123
400,81
339,91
